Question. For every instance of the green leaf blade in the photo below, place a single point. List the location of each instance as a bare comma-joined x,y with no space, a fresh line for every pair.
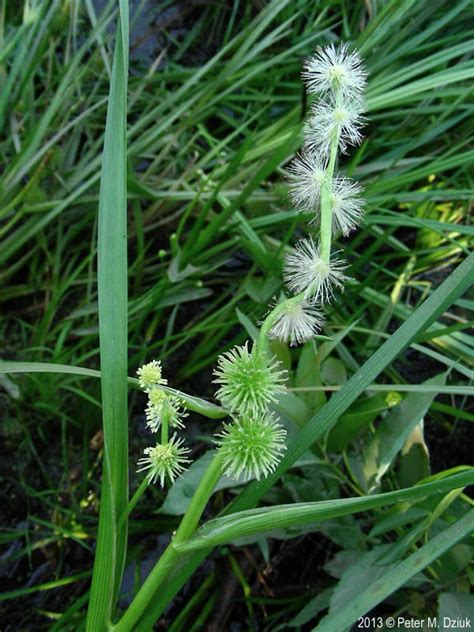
113,317
257,521
398,576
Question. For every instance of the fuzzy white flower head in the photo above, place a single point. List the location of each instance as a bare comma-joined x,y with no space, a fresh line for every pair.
331,120
252,446
306,273
298,321
150,375
249,381
164,461
162,405
346,204
306,174
334,69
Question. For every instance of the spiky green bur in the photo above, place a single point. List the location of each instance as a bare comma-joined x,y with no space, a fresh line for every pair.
164,461
252,447
249,381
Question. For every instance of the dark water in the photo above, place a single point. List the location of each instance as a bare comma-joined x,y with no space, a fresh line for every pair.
152,23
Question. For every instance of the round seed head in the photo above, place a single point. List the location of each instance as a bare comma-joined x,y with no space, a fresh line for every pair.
252,446
248,380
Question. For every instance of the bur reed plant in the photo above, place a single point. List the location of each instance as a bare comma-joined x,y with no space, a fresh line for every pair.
250,378
251,442
250,382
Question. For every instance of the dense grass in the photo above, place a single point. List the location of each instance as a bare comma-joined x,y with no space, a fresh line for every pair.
212,120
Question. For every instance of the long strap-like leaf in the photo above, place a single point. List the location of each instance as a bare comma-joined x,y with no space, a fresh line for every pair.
201,406
112,282
256,521
397,576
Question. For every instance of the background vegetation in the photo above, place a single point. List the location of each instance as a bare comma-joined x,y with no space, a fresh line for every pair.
215,110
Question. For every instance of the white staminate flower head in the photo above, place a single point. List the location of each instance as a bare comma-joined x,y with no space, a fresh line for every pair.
306,273
335,70
306,175
297,322
346,204
162,405
330,120
164,461
249,380
150,375
252,446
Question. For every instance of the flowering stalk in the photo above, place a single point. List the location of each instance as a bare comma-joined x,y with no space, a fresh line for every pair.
171,556
338,79
325,232
166,460
250,379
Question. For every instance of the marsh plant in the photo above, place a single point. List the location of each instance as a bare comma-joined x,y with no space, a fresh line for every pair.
249,378
251,444
198,218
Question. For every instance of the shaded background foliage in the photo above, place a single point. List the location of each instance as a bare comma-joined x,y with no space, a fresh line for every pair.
215,112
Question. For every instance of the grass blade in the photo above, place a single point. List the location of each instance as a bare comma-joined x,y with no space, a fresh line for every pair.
112,285
398,576
190,402
255,521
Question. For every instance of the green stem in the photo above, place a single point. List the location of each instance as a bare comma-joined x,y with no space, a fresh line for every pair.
326,205
200,499
326,191
133,501
171,556
164,429
262,340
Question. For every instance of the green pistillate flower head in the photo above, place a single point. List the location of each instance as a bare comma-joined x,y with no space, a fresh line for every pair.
252,446
164,461
150,375
162,406
249,381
